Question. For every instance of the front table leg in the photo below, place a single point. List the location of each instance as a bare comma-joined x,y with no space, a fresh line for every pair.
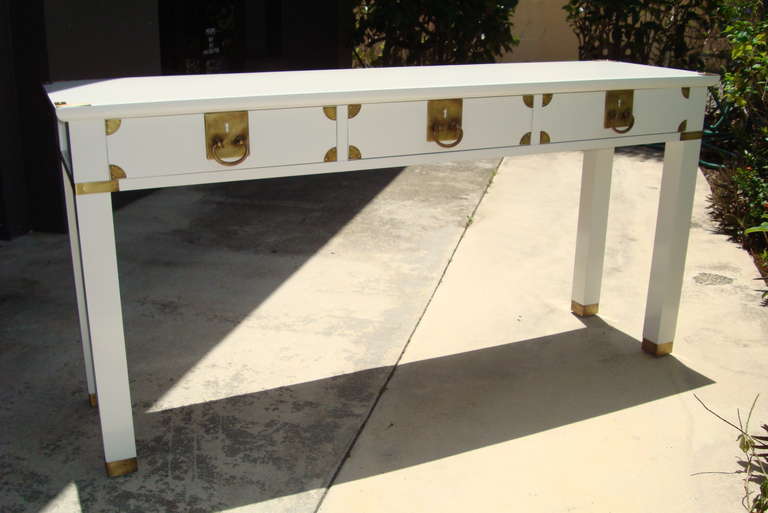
590,240
673,221
102,292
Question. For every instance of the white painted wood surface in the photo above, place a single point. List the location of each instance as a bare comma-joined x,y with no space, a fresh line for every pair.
391,129
594,198
673,224
656,111
102,296
167,95
152,146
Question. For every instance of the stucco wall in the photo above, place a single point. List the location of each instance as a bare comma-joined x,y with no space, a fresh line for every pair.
544,34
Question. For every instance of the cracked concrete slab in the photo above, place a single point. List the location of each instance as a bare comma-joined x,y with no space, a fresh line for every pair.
262,318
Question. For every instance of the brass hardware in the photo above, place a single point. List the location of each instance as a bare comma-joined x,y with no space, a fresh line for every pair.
96,187
354,153
444,122
226,136
656,349
618,110
682,126
584,310
691,136
528,100
330,155
65,104
121,467
546,99
59,104
92,400
544,138
686,92
525,139
352,110
111,126
116,172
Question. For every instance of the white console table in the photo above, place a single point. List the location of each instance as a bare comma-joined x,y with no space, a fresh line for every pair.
137,133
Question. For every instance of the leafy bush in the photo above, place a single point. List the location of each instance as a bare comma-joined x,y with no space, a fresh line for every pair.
422,32
662,32
743,198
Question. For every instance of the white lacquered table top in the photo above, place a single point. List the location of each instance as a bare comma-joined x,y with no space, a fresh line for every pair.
168,95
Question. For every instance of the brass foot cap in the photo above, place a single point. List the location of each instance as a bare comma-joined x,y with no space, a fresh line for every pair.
92,400
656,349
121,467
584,310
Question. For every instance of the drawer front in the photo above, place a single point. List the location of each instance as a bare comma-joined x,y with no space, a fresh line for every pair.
581,116
391,129
156,146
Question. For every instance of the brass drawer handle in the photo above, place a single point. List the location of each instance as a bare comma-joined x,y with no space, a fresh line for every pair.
219,144
436,135
629,127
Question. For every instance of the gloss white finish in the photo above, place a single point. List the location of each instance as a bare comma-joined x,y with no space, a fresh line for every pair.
593,220
673,223
102,296
167,95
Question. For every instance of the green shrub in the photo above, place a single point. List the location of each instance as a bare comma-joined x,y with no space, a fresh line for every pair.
661,32
423,32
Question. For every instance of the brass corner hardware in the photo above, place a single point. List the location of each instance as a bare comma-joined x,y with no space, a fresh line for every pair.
544,138
116,172
65,104
686,92
121,467
353,109
528,100
619,115
92,400
330,112
682,126
546,99
444,122
226,136
353,153
59,104
97,187
525,139
691,136
111,126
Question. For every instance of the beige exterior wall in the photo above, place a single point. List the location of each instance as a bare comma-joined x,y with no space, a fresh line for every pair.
544,34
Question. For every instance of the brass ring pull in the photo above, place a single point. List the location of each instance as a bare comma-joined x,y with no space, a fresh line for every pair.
217,145
436,134
625,130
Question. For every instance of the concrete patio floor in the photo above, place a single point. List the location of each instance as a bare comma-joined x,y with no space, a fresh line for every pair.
264,318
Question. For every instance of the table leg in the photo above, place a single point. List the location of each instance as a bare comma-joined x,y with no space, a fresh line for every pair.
102,293
590,240
678,184
77,267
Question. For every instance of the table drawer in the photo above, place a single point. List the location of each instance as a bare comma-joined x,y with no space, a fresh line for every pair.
581,116
156,146
400,128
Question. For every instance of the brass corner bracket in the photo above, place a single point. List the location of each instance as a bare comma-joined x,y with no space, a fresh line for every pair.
111,126
544,138
528,100
353,153
546,99
115,173
691,136
353,109
525,140
686,92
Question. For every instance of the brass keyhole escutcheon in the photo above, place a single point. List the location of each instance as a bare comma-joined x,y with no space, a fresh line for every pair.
226,137
444,122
